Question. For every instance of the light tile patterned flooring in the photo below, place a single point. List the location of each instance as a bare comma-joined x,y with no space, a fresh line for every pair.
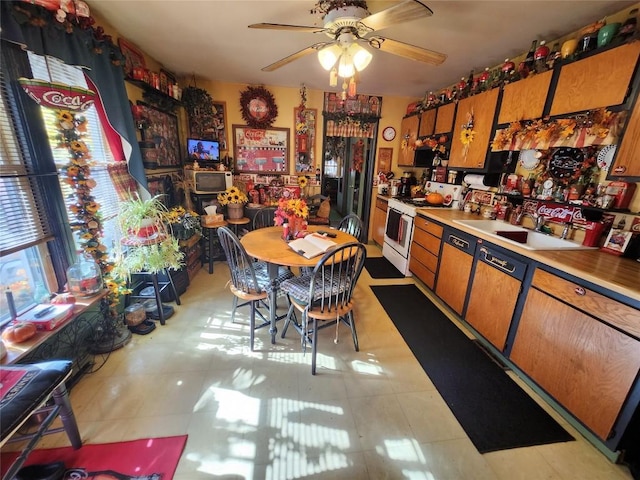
262,415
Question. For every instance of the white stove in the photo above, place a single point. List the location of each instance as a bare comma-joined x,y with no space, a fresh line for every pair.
400,218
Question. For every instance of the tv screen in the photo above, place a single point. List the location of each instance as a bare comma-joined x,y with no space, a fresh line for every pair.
203,149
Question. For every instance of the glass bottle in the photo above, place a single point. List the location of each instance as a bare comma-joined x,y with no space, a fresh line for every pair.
84,277
629,26
529,60
554,55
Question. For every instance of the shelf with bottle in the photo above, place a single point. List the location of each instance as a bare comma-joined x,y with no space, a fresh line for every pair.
155,95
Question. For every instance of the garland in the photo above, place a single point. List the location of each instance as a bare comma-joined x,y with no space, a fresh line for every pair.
199,106
262,95
71,131
361,120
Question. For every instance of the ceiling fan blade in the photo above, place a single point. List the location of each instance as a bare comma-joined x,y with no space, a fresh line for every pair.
402,12
295,56
408,51
282,26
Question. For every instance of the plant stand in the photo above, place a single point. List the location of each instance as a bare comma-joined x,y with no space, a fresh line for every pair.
158,289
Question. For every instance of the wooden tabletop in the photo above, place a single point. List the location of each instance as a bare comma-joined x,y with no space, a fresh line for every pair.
267,244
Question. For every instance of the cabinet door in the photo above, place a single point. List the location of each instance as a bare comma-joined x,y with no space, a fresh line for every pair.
584,364
427,122
483,108
453,276
524,100
492,302
408,136
627,160
379,221
444,118
601,80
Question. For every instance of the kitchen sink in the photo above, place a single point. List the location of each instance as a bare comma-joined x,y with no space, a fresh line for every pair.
520,236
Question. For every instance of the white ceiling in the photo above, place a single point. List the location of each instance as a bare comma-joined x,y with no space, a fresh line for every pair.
210,38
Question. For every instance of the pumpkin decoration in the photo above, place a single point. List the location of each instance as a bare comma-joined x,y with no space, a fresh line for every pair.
19,332
434,198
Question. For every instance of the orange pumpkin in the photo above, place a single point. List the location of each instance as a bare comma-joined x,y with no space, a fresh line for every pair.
434,198
19,332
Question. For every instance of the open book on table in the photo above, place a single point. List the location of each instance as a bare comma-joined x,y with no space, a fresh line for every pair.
312,245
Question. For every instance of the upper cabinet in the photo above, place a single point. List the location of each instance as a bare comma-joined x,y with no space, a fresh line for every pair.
525,100
598,81
483,109
427,122
408,135
444,118
627,160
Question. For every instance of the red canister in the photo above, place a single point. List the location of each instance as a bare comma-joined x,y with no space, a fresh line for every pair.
622,192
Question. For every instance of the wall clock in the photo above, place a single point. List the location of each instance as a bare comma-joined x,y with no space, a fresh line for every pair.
389,133
258,107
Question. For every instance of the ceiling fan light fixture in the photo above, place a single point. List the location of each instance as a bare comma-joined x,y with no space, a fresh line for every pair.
346,69
328,56
361,57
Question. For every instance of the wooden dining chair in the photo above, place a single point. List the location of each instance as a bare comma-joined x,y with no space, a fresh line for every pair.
250,280
324,296
352,224
264,218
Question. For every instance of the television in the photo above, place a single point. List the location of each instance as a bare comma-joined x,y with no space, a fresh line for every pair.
203,150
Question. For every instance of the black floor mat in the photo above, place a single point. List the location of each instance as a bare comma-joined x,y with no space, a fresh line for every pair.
380,267
493,410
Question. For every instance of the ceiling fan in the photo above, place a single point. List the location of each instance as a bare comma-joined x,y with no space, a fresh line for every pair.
349,23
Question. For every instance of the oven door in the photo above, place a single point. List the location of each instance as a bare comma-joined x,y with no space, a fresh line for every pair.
398,231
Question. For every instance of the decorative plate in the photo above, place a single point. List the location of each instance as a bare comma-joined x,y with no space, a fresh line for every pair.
529,159
606,156
565,162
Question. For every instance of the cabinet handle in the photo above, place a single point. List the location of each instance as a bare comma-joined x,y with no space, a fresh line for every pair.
580,291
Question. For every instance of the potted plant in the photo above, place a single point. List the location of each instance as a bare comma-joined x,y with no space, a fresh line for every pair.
183,223
142,217
234,199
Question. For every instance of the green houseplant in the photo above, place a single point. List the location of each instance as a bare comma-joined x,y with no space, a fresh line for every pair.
146,245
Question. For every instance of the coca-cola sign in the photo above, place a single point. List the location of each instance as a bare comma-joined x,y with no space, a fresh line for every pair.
554,212
58,95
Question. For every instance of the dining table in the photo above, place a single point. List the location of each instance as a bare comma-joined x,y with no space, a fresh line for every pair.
267,244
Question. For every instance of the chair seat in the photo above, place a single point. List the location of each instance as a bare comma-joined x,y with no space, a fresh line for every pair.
298,287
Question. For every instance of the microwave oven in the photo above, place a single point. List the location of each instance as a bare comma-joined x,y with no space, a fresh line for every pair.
205,182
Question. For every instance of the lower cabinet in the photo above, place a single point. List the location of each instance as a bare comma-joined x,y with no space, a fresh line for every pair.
425,250
587,362
495,288
454,270
379,220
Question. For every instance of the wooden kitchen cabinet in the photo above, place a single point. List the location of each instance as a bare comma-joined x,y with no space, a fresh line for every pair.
601,80
576,344
454,270
427,122
483,107
408,135
444,118
379,220
525,99
627,162
425,250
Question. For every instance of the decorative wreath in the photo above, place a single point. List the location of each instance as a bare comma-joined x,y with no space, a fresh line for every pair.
258,107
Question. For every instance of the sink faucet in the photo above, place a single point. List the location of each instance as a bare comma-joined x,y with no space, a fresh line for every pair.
566,230
539,220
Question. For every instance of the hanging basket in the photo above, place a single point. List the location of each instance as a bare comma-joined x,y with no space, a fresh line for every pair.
235,210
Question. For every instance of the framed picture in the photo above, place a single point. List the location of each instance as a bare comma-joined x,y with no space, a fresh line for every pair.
617,241
132,57
262,151
384,159
305,139
220,124
161,128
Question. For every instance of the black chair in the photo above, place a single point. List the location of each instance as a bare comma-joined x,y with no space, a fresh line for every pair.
38,392
264,218
352,224
249,279
325,295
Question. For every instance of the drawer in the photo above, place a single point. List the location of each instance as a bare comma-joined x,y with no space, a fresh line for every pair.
423,273
427,241
382,204
611,311
428,226
425,257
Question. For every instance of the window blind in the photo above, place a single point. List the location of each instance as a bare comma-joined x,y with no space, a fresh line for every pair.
22,217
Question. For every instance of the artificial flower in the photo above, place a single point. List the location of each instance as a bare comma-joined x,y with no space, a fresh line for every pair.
466,136
303,181
287,209
232,195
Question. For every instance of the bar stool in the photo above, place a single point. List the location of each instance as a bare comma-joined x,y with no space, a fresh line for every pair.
209,235
238,221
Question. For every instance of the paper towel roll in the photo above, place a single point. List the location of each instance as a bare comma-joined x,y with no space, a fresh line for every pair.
475,181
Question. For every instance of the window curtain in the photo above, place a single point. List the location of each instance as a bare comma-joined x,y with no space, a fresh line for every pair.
349,128
87,48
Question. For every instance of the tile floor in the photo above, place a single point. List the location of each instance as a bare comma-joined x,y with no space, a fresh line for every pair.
261,415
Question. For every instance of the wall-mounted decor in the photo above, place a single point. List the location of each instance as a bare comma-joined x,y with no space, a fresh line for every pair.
384,159
264,151
133,58
161,128
258,107
305,136
220,124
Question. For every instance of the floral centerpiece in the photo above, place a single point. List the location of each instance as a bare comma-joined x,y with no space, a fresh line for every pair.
292,214
234,199
183,223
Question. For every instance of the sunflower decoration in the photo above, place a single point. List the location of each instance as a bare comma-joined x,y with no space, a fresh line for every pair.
467,134
232,195
303,181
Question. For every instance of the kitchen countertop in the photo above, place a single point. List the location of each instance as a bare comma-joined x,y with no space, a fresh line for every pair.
620,275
